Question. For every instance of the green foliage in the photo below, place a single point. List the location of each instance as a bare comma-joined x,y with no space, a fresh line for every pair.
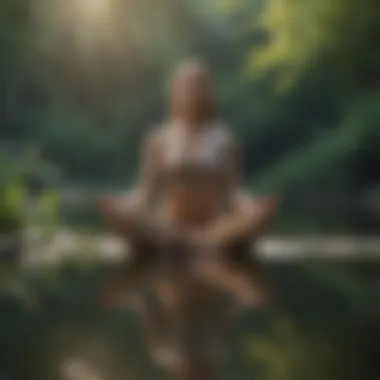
12,196
290,353
304,33
18,210
79,90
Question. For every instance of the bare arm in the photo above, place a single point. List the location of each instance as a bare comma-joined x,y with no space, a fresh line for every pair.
238,198
262,210
147,187
259,213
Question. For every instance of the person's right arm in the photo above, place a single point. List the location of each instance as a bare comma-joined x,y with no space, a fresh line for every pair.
148,177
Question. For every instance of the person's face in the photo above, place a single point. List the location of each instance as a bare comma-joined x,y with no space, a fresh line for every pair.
193,92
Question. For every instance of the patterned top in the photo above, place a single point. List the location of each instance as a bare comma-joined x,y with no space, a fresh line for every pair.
204,151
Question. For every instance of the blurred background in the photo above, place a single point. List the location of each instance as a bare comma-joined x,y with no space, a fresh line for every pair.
82,81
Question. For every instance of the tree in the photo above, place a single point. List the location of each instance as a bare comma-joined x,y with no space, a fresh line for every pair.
302,34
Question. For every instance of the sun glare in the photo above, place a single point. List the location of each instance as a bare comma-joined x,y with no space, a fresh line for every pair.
96,11
86,23
95,7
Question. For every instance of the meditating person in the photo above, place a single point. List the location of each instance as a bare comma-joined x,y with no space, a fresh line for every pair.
189,189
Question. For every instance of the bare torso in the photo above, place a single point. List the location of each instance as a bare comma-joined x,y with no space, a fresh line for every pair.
193,168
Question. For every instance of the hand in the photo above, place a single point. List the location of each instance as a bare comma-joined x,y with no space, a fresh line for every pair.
267,206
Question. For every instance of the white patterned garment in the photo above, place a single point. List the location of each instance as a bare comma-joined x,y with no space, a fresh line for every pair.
207,150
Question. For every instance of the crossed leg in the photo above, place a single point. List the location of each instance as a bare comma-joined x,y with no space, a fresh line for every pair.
234,273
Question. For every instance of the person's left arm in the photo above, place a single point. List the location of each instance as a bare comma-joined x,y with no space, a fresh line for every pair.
258,212
264,208
237,197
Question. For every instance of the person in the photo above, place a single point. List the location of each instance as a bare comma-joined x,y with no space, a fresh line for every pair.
190,180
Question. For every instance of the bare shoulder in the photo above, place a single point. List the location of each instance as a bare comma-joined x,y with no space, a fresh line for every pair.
154,138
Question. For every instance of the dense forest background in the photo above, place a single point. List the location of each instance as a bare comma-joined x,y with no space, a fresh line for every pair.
82,81
81,84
